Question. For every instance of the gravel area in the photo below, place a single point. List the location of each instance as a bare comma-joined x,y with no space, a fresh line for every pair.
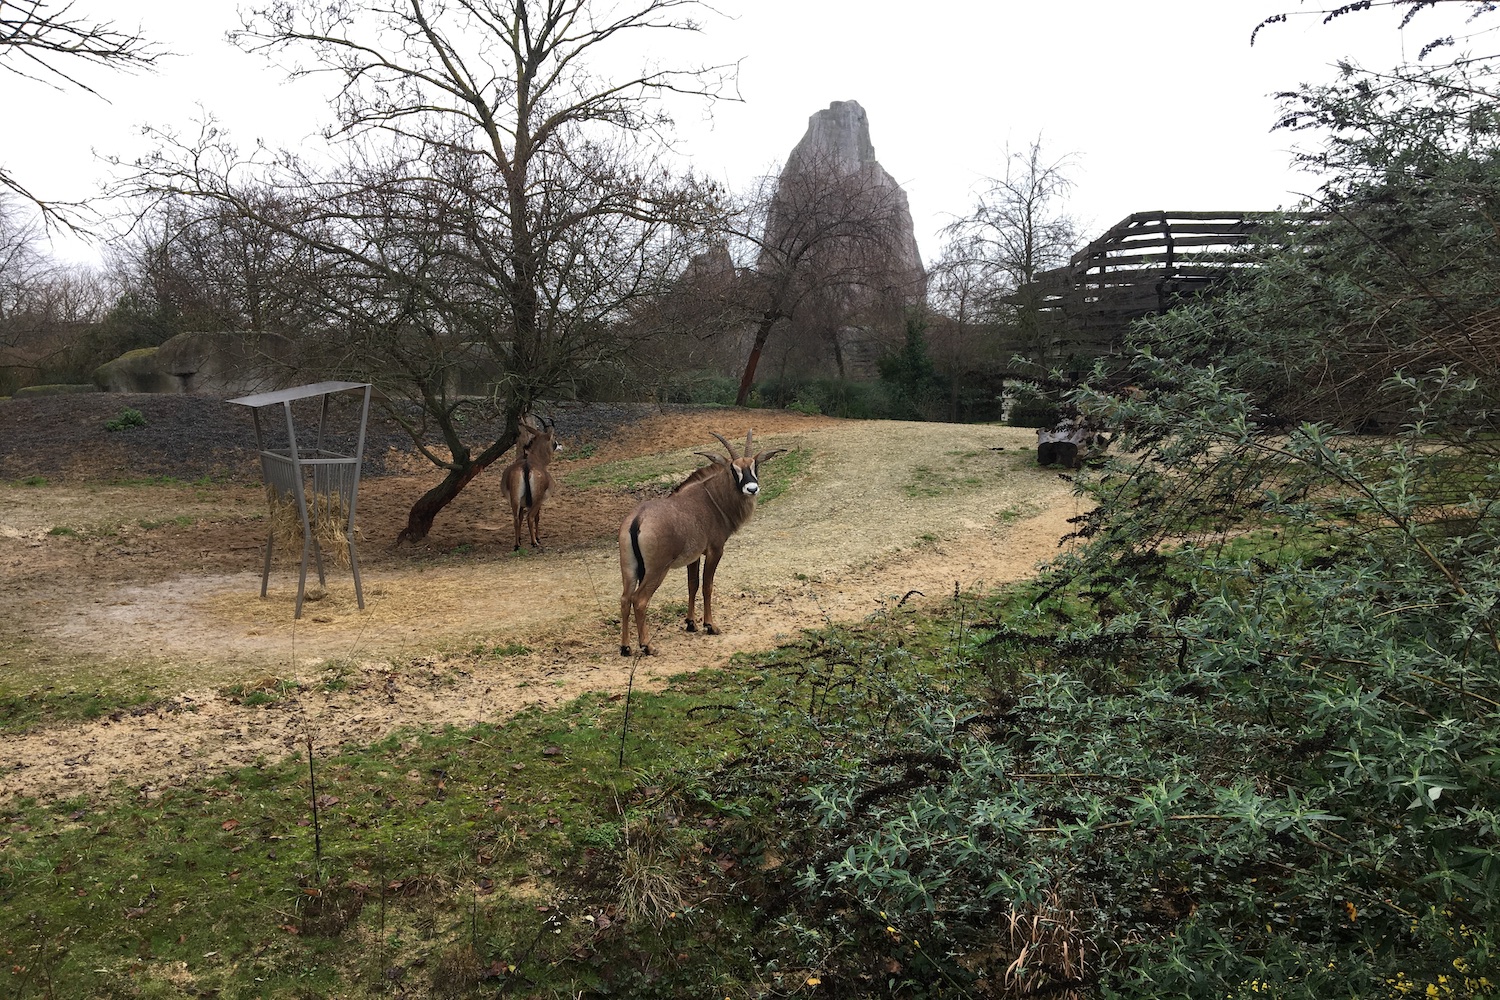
64,437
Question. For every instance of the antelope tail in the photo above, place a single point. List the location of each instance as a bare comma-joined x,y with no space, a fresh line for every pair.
525,484
635,550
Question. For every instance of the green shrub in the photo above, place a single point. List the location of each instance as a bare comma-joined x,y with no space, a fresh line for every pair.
844,398
126,419
700,389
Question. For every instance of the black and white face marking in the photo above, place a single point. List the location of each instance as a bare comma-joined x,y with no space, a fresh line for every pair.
745,479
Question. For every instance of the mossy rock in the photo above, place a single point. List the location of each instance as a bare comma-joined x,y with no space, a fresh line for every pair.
134,371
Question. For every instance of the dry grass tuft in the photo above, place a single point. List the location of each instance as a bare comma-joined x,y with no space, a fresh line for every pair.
654,879
1042,949
457,972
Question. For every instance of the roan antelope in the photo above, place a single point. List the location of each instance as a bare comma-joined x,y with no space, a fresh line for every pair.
688,525
526,480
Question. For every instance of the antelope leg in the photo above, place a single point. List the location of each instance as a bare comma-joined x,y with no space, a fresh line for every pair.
534,520
710,564
692,575
639,599
625,624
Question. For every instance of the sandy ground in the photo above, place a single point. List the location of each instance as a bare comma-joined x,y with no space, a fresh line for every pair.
166,581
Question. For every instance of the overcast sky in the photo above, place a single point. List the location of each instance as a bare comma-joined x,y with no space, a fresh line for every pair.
1163,105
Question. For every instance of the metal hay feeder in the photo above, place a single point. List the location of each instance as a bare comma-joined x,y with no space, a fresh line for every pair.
323,483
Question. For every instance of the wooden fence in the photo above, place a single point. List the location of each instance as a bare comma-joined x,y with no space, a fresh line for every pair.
1142,266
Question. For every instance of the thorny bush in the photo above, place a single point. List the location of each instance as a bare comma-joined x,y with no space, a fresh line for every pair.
1243,740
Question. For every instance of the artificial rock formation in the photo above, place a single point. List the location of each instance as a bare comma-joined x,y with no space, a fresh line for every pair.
215,364
840,224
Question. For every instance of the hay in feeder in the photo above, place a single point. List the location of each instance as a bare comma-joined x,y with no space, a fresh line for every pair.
326,518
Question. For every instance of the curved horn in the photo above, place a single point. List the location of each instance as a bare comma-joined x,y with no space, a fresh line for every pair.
748,450
727,446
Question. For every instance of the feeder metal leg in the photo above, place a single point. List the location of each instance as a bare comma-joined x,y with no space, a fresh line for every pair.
265,573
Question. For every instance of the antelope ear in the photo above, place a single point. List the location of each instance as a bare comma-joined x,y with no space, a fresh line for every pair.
766,456
716,459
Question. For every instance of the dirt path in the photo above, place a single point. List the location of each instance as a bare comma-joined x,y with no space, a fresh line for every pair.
879,509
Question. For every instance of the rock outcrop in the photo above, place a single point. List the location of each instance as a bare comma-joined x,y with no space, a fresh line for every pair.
836,153
840,227
214,364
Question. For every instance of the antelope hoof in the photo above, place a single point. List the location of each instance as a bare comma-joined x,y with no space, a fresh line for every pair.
710,629
645,650
624,650
692,626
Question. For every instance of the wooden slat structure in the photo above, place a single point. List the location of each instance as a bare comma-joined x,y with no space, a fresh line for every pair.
1142,266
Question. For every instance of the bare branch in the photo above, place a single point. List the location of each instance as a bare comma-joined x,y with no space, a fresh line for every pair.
1410,8
40,41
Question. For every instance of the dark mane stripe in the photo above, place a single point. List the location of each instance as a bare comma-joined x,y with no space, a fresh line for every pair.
699,475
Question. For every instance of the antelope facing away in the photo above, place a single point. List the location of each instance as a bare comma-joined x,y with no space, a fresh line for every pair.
526,480
687,527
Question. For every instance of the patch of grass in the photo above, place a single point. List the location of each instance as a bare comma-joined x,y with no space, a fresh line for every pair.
34,481
785,471
504,844
146,481
634,473
508,649
62,530
1010,515
965,469
20,712
40,687
180,521
264,691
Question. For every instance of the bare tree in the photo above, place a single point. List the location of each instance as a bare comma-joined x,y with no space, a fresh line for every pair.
213,268
496,194
963,294
1019,227
46,309
21,258
44,42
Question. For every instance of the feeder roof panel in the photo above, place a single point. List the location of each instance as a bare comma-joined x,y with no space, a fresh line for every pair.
297,392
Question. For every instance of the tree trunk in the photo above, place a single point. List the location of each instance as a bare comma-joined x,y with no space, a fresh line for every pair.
762,332
426,509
